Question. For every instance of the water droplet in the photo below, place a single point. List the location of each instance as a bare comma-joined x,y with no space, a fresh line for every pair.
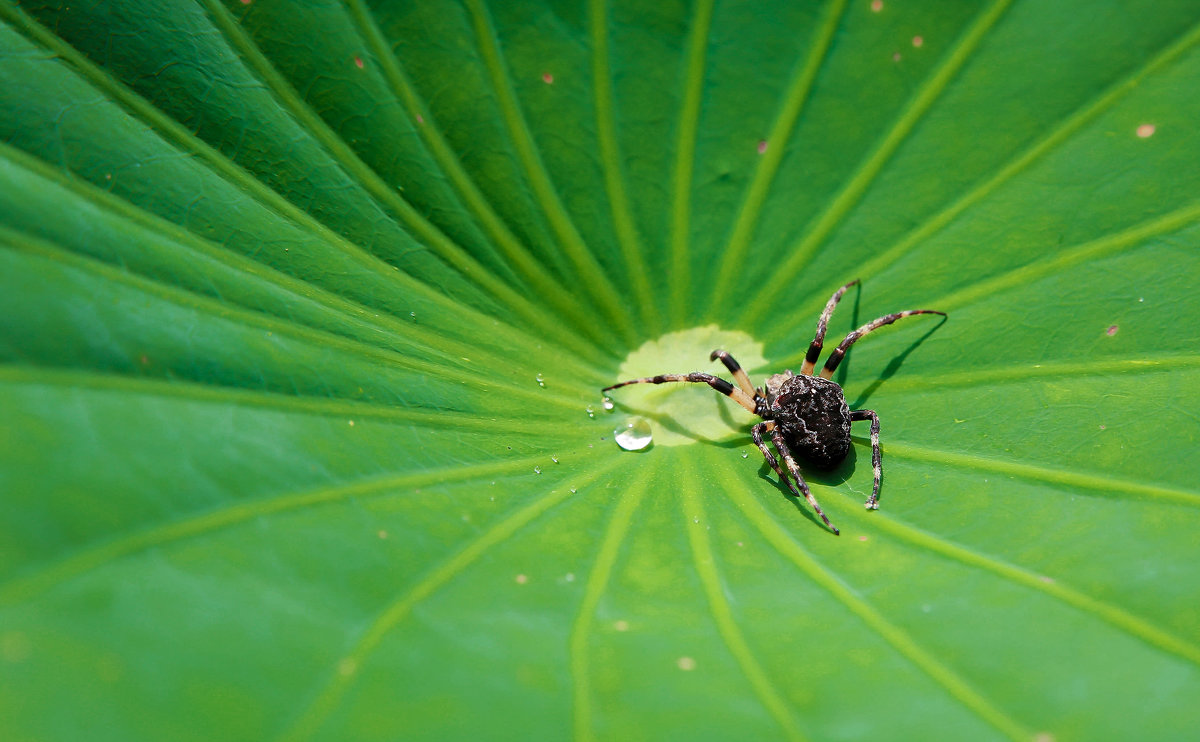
537,470
608,403
686,663
569,577
572,490
591,412
745,454
634,435
554,459
541,382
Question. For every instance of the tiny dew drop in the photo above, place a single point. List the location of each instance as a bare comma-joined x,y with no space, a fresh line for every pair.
537,470
590,411
744,454
634,434
554,459
608,403
541,382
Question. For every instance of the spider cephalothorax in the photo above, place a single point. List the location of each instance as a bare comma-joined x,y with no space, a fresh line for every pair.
804,414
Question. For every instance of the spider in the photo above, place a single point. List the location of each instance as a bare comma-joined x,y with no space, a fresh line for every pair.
804,413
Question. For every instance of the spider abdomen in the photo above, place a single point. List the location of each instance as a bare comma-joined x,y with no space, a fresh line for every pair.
812,414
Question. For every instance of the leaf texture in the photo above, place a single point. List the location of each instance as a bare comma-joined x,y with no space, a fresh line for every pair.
305,308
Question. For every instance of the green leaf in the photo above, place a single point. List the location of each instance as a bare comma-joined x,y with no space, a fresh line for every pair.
305,308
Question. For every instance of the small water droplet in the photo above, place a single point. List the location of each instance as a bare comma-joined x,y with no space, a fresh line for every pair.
413,315
541,382
537,470
591,412
745,454
569,577
554,459
572,490
634,435
695,520
608,403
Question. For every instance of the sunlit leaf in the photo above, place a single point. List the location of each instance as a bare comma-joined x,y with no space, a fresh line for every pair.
305,309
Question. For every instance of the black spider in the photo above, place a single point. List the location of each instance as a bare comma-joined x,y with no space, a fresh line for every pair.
805,413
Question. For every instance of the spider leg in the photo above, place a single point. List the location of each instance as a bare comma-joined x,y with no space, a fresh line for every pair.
756,433
716,382
876,457
777,438
814,349
839,352
743,381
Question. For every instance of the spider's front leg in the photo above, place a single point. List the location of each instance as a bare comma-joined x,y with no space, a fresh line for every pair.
876,457
697,377
777,438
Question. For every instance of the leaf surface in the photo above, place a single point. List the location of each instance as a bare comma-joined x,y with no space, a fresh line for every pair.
305,308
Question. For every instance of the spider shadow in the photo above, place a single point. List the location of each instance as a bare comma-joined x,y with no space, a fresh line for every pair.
834,477
844,368
669,423
892,367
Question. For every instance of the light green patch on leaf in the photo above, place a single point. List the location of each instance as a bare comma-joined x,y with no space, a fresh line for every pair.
687,413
